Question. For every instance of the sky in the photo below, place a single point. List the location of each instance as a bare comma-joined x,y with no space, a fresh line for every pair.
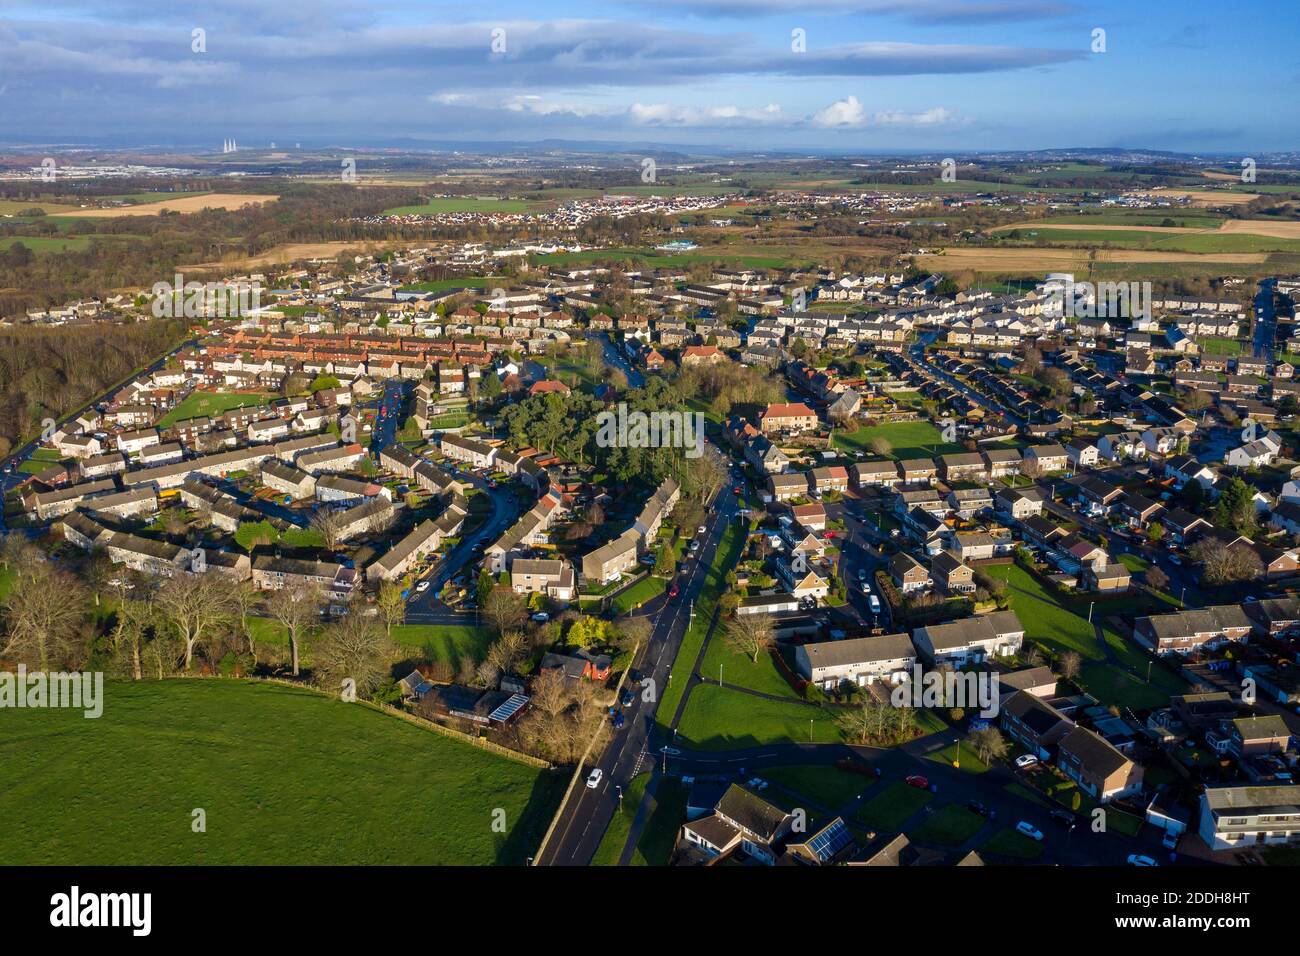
780,75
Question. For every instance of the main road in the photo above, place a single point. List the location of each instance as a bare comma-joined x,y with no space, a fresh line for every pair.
586,814
1265,337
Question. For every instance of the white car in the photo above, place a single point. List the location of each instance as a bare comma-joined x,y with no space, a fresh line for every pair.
1137,859
1028,829
703,529
594,778
541,617
875,604
1025,761
422,586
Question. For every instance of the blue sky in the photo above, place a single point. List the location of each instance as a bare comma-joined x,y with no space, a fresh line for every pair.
871,75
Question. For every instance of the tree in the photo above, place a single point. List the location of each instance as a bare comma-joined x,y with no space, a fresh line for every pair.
879,445
1235,508
988,743
197,606
296,609
392,605
1156,533
44,611
355,648
329,522
750,635
505,610
1071,664
1220,565
1156,578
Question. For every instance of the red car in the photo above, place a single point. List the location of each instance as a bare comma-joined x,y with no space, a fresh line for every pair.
830,534
672,591
916,780
736,490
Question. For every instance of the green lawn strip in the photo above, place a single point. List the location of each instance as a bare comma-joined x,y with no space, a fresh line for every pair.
435,642
822,783
646,589
888,810
1011,844
970,760
721,719
655,845
284,775
952,825
728,552
739,669
1025,793
615,838
1046,621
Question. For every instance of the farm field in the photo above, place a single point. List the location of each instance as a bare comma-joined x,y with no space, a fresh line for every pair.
191,203
294,251
60,244
1029,260
284,775
1157,238
212,403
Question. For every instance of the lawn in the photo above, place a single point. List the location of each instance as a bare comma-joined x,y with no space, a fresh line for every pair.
721,719
949,826
649,587
212,403
737,668
1046,621
889,810
728,552
284,775
620,826
435,642
918,439
1015,845
821,783
970,760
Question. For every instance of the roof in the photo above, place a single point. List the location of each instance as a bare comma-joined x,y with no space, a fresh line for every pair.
751,812
859,650
1282,798
964,633
1096,755
1262,727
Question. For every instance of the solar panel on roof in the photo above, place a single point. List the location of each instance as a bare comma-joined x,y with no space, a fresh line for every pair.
834,838
509,708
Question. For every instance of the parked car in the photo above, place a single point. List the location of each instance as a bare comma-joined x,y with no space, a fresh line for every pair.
422,586
541,617
1028,829
1064,817
875,604
702,529
975,806
1170,840
1025,761
673,590
594,778
1139,859
916,780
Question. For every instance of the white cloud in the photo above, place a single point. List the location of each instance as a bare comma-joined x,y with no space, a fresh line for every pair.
845,112
665,114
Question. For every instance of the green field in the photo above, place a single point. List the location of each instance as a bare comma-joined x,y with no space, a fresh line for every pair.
888,810
462,204
918,439
1198,242
212,403
952,825
822,783
655,845
434,642
648,588
721,719
469,282
284,775
1015,845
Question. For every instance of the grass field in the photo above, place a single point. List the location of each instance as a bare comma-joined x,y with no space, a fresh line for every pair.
435,642
888,810
284,775
1011,844
649,587
721,719
918,439
182,204
822,783
655,845
952,825
59,244
212,403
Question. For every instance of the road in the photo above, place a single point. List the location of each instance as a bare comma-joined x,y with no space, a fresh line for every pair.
615,357
1265,320
917,354
388,416
587,813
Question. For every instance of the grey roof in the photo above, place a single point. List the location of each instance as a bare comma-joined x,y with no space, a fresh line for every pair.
860,650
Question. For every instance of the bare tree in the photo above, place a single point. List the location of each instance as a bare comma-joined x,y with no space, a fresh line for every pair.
392,605
988,743
355,648
197,606
749,635
44,611
506,651
1071,664
505,610
297,609
879,446
329,523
